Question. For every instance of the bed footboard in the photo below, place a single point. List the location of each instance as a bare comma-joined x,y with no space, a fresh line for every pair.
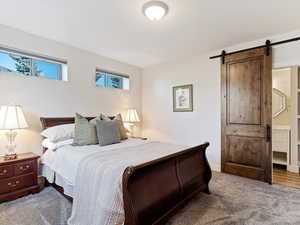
153,191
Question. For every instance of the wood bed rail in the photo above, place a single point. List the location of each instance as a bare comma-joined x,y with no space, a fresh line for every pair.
54,121
153,191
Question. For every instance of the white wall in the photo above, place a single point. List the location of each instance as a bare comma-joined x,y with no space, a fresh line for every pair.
190,128
43,97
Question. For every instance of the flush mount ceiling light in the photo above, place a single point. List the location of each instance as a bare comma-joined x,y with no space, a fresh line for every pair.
155,10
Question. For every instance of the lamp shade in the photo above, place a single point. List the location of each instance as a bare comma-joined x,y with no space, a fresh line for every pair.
132,116
12,117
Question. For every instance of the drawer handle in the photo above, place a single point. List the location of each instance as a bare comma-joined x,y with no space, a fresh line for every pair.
3,172
24,168
13,185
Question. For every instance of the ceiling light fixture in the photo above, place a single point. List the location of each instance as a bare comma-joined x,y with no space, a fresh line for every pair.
155,10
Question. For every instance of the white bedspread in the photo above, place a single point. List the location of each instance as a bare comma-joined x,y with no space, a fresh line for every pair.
65,160
98,196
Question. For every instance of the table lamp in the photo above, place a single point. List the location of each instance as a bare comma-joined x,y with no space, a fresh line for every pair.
132,118
11,118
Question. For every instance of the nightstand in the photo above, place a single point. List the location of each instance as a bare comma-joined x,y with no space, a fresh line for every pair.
18,177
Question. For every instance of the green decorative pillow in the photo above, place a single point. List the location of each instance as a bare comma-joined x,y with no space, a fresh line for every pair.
108,132
118,118
85,131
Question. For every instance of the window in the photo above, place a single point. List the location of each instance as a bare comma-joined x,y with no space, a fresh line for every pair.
112,80
30,65
100,79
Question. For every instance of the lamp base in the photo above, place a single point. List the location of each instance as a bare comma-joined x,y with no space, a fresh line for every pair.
11,146
10,156
131,129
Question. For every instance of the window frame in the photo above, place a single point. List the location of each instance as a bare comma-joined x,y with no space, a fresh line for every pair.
33,60
111,74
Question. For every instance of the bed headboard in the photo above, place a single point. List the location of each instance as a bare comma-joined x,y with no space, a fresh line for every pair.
54,121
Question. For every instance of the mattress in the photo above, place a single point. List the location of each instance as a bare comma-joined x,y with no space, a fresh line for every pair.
53,177
60,166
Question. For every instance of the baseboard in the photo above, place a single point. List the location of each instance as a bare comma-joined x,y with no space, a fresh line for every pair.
215,167
293,168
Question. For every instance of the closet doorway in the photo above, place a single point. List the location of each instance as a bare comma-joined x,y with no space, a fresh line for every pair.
286,126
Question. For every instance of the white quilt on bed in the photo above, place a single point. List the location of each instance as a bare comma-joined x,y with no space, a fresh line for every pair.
98,196
65,160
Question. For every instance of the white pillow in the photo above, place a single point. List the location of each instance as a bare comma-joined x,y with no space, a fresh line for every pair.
60,132
53,146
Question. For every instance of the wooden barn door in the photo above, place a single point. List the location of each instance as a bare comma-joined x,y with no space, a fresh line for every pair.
247,114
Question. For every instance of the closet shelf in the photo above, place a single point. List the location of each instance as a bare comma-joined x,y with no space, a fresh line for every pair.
280,161
280,157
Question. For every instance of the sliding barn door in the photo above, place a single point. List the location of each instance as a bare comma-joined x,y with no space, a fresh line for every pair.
247,114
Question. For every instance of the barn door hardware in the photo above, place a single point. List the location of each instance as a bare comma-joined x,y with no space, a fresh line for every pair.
223,56
267,45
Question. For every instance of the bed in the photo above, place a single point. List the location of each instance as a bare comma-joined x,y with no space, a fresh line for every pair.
152,191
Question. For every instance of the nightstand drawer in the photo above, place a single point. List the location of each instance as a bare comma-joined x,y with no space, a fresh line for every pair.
24,167
12,184
6,171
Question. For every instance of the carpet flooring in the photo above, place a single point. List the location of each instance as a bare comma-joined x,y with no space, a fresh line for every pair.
233,201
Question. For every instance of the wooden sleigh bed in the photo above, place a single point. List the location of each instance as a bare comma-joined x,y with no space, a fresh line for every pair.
154,191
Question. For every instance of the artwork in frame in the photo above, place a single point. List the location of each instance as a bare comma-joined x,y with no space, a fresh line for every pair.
183,98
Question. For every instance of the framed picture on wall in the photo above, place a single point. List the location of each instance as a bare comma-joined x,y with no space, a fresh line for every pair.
183,98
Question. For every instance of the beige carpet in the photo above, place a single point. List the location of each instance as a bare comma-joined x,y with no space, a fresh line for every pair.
233,200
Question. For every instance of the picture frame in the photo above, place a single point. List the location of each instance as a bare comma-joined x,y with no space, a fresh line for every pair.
183,98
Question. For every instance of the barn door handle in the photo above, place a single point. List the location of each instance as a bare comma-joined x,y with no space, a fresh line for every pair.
268,136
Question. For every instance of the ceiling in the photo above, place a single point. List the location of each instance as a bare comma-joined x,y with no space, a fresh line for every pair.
117,28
